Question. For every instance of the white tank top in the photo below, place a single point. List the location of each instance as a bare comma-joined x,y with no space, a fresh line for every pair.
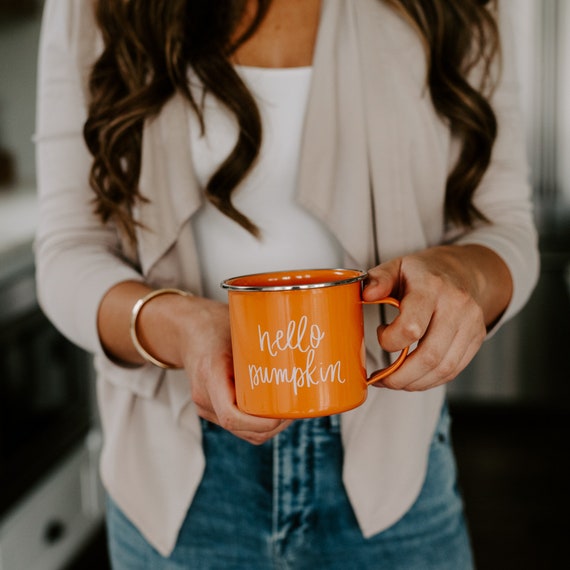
291,238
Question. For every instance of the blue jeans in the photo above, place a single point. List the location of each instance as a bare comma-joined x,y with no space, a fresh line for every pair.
283,506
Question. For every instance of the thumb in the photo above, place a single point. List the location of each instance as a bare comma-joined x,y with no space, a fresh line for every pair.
383,280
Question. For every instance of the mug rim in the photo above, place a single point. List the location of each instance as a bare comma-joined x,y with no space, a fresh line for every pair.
352,276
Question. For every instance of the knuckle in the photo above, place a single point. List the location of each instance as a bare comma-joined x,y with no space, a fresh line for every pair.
257,439
199,399
464,304
447,369
227,422
431,358
412,331
392,384
435,283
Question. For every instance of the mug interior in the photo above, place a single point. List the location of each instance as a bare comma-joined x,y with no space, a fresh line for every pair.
293,279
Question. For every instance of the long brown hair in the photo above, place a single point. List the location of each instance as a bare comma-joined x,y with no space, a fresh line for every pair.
149,45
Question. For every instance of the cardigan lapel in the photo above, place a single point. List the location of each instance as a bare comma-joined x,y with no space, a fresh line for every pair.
168,181
358,164
407,150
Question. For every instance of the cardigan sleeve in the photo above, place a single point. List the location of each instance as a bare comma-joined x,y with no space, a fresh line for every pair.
504,195
77,258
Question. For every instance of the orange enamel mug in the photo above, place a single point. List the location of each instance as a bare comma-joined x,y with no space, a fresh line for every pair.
298,342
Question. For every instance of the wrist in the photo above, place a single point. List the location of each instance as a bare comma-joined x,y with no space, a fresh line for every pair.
154,326
490,279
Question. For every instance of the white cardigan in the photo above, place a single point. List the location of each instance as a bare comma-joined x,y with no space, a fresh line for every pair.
372,138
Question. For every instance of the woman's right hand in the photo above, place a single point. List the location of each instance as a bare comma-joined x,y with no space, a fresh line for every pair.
207,358
187,332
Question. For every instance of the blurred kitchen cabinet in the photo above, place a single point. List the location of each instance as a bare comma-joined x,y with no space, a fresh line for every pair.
18,7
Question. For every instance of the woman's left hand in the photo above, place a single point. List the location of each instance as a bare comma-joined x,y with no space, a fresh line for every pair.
448,296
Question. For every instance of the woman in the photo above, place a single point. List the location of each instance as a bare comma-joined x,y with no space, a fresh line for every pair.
183,142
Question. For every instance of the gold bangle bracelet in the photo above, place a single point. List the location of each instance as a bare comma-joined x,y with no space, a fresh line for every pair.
133,324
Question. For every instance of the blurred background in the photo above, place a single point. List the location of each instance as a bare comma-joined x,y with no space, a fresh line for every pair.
511,406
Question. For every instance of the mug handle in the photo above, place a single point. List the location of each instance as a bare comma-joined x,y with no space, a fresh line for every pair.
382,373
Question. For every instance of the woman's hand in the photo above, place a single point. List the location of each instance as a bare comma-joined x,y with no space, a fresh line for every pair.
187,332
449,295
207,358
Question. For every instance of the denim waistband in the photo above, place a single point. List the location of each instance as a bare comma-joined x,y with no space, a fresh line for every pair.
328,424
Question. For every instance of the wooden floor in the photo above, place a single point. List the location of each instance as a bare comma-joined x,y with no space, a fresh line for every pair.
514,474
